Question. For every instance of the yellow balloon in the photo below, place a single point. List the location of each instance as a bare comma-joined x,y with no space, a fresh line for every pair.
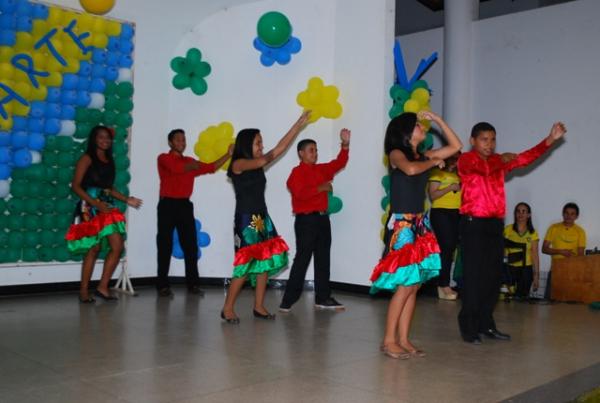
39,28
71,50
113,28
7,71
6,54
23,88
40,61
24,41
99,7
72,65
226,128
315,83
382,234
99,40
20,110
54,66
385,160
421,95
384,219
54,79
85,23
411,106
39,94
55,16
6,124
99,25
69,16
330,93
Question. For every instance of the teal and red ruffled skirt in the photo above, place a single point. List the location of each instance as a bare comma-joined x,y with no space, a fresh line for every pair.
258,247
91,227
412,254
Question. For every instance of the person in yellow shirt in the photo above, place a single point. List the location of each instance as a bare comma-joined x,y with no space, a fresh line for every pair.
444,192
524,271
565,239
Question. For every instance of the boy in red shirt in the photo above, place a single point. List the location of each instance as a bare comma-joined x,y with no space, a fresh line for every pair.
309,184
175,210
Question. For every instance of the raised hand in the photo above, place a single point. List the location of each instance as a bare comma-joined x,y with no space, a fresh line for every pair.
345,136
558,131
427,115
134,202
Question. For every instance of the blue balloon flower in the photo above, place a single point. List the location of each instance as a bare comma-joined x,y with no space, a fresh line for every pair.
282,55
202,239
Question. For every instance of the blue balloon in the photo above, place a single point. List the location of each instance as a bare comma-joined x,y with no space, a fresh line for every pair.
98,56
126,46
112,59
24,23
198,225
24,8
70,81
54,95
113,44
8,38
19,123
5,155
35,125
98,71
68,97
4,138
68,111
8,21
112,73
177,251
97,85
85,68
294,45
266,60
38,109
19,139
83,84
36,141
52,126
5,171
203,239
126,31
22,158
8,6
282,56
83,98
126,61
53,110
40,11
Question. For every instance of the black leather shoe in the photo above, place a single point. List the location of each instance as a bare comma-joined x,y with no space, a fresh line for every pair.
196,290
165,292
268,316
232,321
496,334
476,340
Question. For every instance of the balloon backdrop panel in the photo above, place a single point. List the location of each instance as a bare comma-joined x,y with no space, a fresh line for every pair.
62,72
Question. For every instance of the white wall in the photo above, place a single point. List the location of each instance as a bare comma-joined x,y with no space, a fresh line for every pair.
531,69
241,90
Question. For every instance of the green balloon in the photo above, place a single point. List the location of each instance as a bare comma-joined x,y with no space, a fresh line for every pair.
64,221
120,133
66,159
31,222
334,203
64,143
64,206
111,89
15,239
50,173
399,94
121,162
193,56
30,255
181,81
384,202
32,206
19,173
62,191
124,120
46,193
46,254
35,172
125,105
33,190
120,148
3,238
180,65
110,104
46,206
109,118
64,175
198,85
202,69
3,224
2,205
61,254
122,178
125,89
385,182
16,206
31,239
82,131
46,237
94,117
81,114
396,110
50,158
274,29
3,255
13,255
18,188
426,144
48,221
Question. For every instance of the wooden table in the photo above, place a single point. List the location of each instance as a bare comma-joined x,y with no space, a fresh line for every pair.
576,279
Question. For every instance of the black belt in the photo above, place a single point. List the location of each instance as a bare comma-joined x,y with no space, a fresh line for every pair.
312,213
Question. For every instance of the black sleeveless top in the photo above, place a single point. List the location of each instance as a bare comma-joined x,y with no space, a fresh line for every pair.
249,187
99,174
407,193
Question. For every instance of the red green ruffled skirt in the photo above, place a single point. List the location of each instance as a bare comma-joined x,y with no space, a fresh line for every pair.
413,254
91,227
258,247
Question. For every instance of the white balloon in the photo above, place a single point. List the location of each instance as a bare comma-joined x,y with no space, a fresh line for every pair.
125,75
96,100
36,157
67,128
4,188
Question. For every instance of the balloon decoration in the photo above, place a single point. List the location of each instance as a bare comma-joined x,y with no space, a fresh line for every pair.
408,95
334,203
213,142
202,238
99,7
190,71
275,41
61,73
320,99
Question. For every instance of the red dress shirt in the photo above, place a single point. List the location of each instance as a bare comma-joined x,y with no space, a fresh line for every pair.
304,180
482,180
174,181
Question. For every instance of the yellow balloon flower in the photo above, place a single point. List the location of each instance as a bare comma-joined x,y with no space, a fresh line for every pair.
320,99
213,142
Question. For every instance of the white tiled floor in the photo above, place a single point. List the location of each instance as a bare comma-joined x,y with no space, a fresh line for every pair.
150,349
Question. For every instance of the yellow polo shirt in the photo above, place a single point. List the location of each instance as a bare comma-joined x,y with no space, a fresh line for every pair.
526,238
450,200
562,237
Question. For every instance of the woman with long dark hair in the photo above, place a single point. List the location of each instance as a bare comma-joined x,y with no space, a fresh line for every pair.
411,255
524,271
259,251
97,223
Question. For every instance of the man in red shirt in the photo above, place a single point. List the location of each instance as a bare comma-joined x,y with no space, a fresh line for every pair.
483,207
309,184
175,210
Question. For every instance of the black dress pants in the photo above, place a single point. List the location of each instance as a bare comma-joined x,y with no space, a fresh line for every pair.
176,213
482,244
313,237
445,227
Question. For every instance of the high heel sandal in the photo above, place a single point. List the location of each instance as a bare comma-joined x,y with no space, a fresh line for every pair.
417,353
446,296
267,316
393,354
231,321
108,297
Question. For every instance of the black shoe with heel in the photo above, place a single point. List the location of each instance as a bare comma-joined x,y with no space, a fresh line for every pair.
232,321
268,316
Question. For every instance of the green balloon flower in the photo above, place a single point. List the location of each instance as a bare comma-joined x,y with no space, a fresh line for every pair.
190,71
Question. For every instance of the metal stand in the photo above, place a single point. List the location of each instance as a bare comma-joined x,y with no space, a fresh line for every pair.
124,283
